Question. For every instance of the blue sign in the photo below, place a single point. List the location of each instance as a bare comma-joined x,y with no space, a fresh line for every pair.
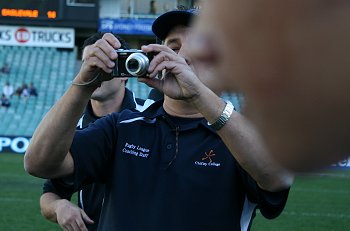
126,26
15,144
342,164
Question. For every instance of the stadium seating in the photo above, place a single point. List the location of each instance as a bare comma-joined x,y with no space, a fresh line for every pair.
51,71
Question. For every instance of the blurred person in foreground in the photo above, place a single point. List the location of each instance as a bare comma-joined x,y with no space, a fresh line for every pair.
55,203
290,59
165,168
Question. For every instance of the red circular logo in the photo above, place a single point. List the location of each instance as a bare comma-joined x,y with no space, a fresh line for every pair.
22,35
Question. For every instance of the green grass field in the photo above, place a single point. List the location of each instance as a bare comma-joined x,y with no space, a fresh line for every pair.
319,202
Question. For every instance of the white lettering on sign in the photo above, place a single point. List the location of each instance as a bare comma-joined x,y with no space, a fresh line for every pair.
5,35
37,36
14,144
343,163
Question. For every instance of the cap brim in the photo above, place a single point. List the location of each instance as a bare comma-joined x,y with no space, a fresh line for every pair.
167,21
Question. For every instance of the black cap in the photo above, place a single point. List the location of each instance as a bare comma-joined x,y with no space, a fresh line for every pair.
167,21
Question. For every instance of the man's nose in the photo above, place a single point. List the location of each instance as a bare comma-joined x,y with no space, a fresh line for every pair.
202,48
184,54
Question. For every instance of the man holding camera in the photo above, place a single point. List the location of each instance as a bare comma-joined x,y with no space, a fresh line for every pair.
111,97
165,168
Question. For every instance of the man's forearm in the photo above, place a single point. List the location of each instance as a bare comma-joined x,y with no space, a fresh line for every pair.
48,204
245,144
46,155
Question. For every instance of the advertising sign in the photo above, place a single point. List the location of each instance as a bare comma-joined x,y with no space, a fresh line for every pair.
37,36
15,144
127,26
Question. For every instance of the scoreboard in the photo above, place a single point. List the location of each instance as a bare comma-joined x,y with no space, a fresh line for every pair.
31,9
50,13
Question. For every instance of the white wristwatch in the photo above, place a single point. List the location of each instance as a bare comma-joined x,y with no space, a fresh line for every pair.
224,117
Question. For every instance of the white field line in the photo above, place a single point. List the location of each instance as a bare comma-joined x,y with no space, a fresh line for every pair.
326,190
5,199
326,215
310,214
335,175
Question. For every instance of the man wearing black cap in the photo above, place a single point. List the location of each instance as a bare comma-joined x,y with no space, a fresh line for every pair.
165,168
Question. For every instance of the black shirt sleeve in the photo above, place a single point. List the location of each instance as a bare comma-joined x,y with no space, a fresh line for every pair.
270,204
92,150
60,187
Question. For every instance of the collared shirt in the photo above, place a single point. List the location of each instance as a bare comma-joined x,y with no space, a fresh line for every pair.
90,197
167,173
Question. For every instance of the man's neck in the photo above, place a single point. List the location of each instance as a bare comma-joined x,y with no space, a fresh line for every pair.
180,108
103,108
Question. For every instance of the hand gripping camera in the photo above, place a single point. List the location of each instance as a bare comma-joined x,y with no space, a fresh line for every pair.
132,63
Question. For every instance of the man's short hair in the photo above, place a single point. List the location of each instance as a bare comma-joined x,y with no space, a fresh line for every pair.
93,38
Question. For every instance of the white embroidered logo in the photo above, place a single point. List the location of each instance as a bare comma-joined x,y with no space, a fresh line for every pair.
136,150
208,156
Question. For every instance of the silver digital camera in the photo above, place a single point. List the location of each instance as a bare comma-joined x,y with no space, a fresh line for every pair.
132,63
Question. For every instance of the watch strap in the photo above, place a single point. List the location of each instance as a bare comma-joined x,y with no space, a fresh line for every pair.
224,117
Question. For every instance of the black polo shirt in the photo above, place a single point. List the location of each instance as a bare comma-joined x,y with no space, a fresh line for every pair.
166,173
90,197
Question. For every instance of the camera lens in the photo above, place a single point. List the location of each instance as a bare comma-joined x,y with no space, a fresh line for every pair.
133,65
137,64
